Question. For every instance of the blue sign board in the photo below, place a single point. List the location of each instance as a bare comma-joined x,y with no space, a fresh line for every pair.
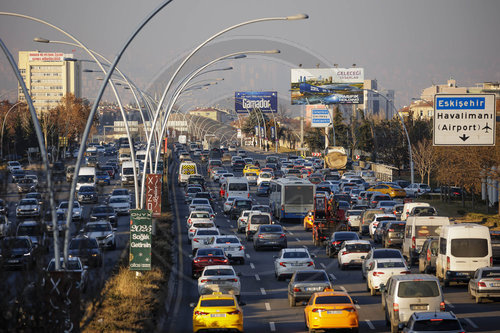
265,101
320,117
256,131
262,132
273,133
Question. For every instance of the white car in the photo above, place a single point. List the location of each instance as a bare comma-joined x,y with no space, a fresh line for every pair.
120,203
291,260
380,270
377,218
121,191
379,253
219,278
351,253
199,202
206,208
201,237
199,225
386,206
223,177
264,177
228,204
33,177
14,165
103,232
77,209
242,221
233,249
416,189
199,216
28,208
218,174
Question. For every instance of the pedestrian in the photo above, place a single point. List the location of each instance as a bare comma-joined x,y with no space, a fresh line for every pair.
267,146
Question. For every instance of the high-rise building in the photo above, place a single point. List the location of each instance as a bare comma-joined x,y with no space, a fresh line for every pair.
49,76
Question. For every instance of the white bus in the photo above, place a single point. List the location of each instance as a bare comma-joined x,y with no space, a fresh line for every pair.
291,198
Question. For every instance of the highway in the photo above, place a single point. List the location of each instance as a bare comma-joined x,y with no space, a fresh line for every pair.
267,308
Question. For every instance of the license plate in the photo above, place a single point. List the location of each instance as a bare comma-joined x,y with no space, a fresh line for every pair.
217,315
296,264
495,284
12,261
400,235
333,312
418,307
314,289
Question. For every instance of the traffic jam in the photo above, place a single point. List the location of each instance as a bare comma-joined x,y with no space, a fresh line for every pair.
324,247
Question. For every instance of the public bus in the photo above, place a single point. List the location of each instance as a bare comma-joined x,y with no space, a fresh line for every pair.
291,198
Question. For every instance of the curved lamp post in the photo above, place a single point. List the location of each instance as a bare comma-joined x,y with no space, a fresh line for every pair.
3,126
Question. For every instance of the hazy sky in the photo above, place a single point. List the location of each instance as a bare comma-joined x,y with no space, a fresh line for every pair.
406,45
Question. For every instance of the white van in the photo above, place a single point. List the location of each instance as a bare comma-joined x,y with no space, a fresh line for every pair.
86,176
463,248
185,170
237,187
409,206
127,175
417,230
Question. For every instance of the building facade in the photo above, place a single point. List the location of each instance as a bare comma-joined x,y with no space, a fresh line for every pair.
49,76
378,103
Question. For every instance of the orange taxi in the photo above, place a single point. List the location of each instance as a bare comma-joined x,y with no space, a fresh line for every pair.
331,309
393,190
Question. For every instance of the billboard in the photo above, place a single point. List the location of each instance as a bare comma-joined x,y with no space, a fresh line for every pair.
265,101
327,86
140,240
153,193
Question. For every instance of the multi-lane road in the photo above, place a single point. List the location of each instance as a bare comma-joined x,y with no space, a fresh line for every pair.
267,308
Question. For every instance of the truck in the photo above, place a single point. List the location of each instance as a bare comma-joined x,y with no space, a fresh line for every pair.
335,158
327,217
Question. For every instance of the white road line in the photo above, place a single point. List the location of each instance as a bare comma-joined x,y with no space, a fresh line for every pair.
268,307
449,304
304,246
322,265
271,326
333,277
252,265
262,291
247,255
369,323
343,288
470,322
298,240
257,277
291,233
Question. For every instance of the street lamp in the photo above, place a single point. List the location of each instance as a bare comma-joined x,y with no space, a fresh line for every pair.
3,126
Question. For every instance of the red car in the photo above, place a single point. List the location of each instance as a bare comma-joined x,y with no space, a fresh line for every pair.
207,257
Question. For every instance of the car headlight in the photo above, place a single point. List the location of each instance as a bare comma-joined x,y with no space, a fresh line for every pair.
27,254
109,236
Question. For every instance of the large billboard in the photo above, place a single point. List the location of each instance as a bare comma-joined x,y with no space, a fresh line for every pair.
265,101
327,86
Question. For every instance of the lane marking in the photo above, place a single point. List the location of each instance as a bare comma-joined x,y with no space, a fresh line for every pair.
257,277
247,255
252,265
369,323
449,304
333,277
268,306
291,233
323,265
343,289
262,291
271,326
471,323
298,240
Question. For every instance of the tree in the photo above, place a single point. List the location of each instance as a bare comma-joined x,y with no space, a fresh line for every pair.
425,158
315,138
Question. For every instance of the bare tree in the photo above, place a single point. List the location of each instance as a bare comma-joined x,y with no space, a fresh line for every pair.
425,158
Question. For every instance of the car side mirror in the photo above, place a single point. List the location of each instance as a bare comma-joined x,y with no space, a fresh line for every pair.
115,229
192,305
363,257
85,267
304,303
355,301
382,288
238,274
240,303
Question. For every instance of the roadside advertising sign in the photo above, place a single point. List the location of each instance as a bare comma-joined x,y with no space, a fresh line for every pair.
153,193
464,120
327,86
320,118
256,131
140,240
265,101
262,132
238,133
273,133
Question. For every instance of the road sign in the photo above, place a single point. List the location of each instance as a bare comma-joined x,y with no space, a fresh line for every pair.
140,240
153,193
320,118
464,120
238,133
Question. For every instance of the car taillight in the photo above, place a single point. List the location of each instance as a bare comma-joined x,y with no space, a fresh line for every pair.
391,230
405,272
195,240
248,195
481,284
442,306
200,313
282,207
234,312
317,310
336,242
395,307
212,216
282,235
225,261
310,263
491,261
282,264
413,242
204,280
428,255
192,230
296,289
189,221
447,263
233,280
378,273
196,260
261,236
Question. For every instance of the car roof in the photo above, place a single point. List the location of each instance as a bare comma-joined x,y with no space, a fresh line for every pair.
217,296
296,249
219,267
414,277
434,314
357,241
332,293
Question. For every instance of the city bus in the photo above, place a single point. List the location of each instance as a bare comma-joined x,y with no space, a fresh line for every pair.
291,198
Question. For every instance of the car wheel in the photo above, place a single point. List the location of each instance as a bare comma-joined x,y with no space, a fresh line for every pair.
373,291
478,299
394,328
291,300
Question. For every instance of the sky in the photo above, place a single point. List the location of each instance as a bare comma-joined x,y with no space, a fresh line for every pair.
406,45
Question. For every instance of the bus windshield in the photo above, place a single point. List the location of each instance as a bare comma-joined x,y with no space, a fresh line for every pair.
299,195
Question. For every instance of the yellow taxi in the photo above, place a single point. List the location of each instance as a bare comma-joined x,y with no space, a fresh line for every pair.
309,220
331,309
217,311
251,168
393,190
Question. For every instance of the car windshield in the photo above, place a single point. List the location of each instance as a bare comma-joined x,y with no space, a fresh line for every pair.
218,272
210,252
227,240
295,254
358,247
260,219
15,243
83,243
118,200
270,228
387,254
29,202
64,205
410,289
86,189
29,230
390,264
311,276
217,302
92,227
437,325
337,299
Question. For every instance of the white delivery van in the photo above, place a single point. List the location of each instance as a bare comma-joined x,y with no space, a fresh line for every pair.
127,175
409,206
463,248
185,170
86,176
237,187
417,230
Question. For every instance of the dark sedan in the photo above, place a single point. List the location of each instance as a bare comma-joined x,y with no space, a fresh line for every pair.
87,194
207,257
17,175
17,252
270,236
87,249
103,178
110,170
104,213
337,239
25,185
263,189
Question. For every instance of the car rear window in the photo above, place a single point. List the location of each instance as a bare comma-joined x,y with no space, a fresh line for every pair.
210,252
358,247
295,254
425,231
260,219
346,236
396,227
243,203
217,302
227,240
436,325
271,228
390,264
469,247
203,225
386,254
491,273
200,216
238,187
409,289
311,276
201,232
340,299
213,272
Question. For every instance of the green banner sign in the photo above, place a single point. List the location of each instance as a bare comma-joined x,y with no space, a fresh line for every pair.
140,240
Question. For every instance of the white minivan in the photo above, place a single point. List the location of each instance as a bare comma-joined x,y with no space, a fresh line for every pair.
237,187
463,248
409,206
86,176
417,230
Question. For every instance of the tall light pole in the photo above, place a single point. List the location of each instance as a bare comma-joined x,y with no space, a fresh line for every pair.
3,126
